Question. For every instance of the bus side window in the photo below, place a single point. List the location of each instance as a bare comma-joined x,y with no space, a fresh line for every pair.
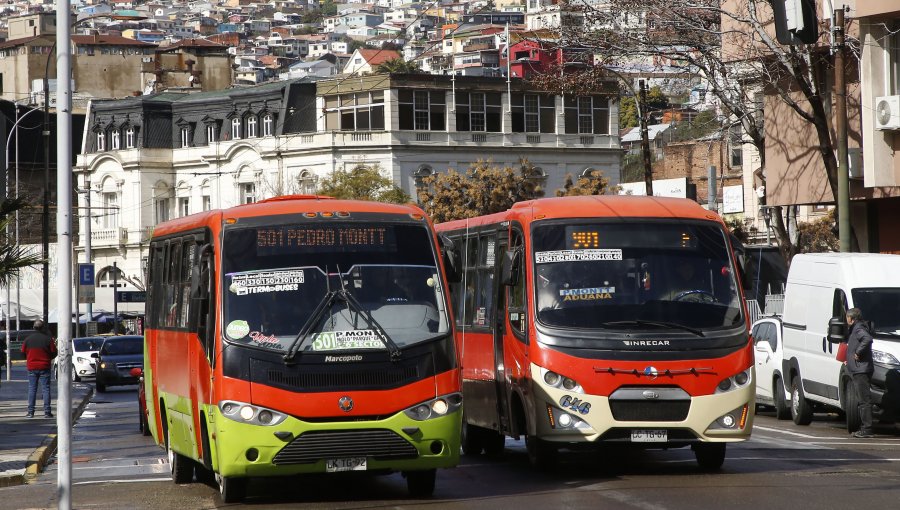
516,307
470,282
184,287
173,279
154,283
484,306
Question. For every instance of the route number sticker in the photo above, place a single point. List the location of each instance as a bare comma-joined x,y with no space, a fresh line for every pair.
544,257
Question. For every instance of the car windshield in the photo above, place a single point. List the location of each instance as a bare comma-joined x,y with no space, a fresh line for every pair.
636,275
120,346
880,306
277,276
87,344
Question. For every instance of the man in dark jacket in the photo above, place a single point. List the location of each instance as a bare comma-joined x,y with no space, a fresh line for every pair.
39,349
860,367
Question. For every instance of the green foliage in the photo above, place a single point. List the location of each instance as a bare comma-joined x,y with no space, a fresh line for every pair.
818,236
704,123
484,188
314,16
12,256
595,184
363,183
329,8
737,228
398,66
628,115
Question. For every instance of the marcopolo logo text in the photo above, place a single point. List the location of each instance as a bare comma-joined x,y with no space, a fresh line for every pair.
333,359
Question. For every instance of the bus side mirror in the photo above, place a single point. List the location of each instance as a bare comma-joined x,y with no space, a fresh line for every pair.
509,268
837,330
450,255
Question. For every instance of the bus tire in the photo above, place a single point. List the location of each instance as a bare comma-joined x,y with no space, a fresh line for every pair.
182,468
542,455
494,442
471,438
421,483
710,456
231,489
801,411
851,407
782,407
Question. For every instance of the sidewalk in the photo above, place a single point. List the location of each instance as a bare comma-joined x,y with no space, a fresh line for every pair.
26,444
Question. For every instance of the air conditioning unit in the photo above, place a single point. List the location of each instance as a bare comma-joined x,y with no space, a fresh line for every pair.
887,112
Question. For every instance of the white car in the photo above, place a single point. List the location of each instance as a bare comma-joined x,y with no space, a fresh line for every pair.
770,388
83,365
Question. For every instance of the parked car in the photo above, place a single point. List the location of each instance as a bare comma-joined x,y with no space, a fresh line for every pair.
770,388
83,364
117,356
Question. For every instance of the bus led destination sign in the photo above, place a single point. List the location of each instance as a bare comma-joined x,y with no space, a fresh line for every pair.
278,238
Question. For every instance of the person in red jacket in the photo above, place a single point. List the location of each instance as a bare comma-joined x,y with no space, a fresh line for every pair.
39,349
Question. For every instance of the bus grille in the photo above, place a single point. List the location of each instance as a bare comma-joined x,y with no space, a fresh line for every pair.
662,410
314,446
359,378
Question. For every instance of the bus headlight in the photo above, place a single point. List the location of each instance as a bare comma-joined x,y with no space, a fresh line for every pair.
562,382
248,413
435,408
560,419
734,382
734,420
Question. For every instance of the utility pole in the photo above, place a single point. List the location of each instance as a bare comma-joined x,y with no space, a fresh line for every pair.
45,218
645,137
840,129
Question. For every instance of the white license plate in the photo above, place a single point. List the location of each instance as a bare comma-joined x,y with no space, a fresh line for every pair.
649,436
351,464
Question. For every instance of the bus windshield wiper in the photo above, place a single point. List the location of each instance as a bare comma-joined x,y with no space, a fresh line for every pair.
380,333
661,324
313,321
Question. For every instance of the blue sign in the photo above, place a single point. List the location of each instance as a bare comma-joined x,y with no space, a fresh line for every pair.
131,296
86,275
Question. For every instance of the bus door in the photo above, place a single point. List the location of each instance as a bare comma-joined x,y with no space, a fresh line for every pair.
512,325
498,327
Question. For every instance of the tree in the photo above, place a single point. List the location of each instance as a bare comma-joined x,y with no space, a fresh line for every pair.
656,101
484,188
329,8
818,236
398,66
12,256
363,183
691,34
594,184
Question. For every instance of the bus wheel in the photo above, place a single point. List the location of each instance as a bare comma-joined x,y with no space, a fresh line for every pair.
541,454
782,408
471,438
421,483
182,467
231,489
851,407
494,442
801,412
710,456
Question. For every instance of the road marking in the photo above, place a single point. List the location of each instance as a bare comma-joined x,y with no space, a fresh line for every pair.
134,480
630,499
788,432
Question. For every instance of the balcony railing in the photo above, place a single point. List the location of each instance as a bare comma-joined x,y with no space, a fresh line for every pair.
116,236
385,138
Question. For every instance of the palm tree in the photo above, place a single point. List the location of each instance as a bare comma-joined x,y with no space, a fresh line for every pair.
13,257
398,66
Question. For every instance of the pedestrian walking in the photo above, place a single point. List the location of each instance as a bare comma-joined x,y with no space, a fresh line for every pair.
860,367
39,349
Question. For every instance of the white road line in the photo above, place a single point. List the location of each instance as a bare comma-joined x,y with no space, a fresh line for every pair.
788,432
134,480
809,459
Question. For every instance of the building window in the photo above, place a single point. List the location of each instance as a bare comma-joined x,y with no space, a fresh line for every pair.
184,206
129,138
355,112
115,139
478,111
533,113
110,277
586,115
422,110
185,137
268,125
251,126
735,151
206,198
162,209
210,133
110,215
307,183
101,141
248,193
236,128
420,175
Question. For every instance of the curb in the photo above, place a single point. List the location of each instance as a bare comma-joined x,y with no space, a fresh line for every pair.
38,459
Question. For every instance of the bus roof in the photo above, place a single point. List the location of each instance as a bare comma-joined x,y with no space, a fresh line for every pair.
592,206
286,204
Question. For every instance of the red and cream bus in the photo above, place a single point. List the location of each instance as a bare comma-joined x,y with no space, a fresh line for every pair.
301,335
595,319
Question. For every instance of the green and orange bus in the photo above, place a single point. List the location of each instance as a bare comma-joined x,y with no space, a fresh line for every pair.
602,319
301,334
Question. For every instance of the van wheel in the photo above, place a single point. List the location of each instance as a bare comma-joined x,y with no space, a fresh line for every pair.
782,407
801,411
851,407
710,456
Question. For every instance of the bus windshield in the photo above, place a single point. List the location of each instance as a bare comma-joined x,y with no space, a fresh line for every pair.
276,276
636,274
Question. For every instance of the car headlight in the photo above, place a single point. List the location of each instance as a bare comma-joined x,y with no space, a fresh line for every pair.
81,360
247,413
737,381
435,408
104,365
562,382
884,358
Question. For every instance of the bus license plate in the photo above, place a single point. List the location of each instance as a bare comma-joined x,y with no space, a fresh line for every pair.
649,436
351,464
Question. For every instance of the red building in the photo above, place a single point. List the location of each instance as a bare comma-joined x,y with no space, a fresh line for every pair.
530,57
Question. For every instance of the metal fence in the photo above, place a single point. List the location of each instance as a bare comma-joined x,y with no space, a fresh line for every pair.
774,304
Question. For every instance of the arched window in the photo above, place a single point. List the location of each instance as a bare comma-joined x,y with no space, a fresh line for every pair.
236,128
108,277
251,126
268,125
101,141
205,196
129,137
109,199
589,173
162,199
307,182
420,175
115,139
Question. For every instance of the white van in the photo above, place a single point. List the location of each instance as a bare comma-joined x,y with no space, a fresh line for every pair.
824,286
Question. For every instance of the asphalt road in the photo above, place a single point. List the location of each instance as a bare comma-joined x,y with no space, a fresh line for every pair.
782,466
